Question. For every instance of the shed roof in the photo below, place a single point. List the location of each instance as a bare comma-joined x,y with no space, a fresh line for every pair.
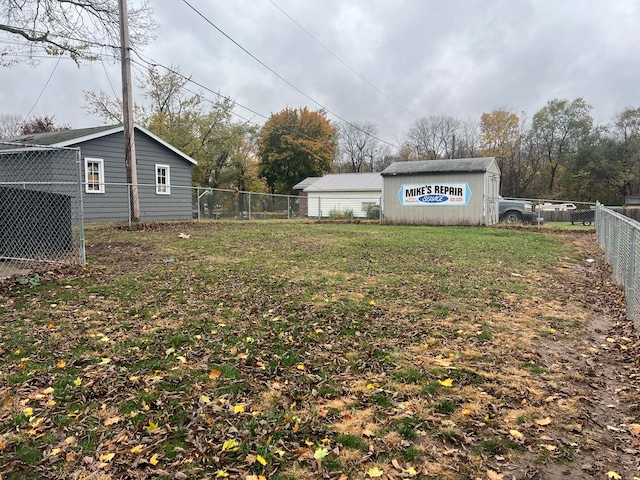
468,165
345,182
68,138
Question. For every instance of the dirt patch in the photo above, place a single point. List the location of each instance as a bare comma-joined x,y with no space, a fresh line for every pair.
601,361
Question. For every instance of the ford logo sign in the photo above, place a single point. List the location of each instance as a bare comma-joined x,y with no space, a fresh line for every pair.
433,198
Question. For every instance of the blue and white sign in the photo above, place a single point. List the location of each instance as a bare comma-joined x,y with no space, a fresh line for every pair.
435,194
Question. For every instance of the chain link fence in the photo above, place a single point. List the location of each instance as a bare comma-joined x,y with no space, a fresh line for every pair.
40,207
619,236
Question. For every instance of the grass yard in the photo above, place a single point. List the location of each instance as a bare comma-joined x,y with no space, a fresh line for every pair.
302,351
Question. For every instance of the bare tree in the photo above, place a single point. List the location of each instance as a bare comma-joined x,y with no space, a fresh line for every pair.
75,28
358,146
433,137
10,125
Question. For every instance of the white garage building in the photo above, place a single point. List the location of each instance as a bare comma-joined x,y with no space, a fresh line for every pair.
339,194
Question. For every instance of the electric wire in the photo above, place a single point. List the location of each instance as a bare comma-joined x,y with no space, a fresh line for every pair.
343,62
282,78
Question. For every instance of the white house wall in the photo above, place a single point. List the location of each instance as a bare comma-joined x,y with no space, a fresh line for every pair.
321,204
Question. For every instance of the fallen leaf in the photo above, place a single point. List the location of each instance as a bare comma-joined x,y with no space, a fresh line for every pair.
61,364
104,361
613,475
137,449
551,448
152,426
205,399
221,474
446,383
154,459
494,475
107,457
230,445
543,421
375,472
412,471
467,412
261,460
516,434
77,382
111,421
215,374
238,408
320,453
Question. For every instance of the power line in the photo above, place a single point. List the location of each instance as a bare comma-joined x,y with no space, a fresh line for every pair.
282,78
43,89
343,62
219,95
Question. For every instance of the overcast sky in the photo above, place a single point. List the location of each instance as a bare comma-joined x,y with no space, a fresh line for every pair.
430,57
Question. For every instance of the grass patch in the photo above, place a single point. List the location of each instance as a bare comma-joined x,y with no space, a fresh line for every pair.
284,338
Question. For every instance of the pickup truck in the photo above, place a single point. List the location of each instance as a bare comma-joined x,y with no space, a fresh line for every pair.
516,211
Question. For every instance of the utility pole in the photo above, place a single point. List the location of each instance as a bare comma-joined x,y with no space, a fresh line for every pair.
127,113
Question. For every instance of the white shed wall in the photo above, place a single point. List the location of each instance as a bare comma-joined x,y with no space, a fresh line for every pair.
478,211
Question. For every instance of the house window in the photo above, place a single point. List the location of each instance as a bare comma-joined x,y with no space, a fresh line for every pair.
163,181
94,175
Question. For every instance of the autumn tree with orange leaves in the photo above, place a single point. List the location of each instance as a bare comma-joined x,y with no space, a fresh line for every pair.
295,144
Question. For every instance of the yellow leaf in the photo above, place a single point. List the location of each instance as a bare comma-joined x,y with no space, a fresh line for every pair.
300,367
55,451
182,359
375,472
412,471
214,374
613,475
28,412
238,408
551,448
169,351
611,340
133,378
467,412
154,459
446,383
137,449
48,391
204,399
77,382
104,361
516,434
230,445
152,426
372,302
261,459
320,453
221,474
61,364
107,457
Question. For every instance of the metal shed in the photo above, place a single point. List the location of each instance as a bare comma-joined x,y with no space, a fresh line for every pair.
441,192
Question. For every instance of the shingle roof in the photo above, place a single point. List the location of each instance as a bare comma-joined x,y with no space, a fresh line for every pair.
63,136
351,182
67,138
470,165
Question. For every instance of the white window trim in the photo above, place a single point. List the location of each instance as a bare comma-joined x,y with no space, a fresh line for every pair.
167,187
100,163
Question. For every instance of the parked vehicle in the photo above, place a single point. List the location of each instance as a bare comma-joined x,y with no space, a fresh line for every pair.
516,211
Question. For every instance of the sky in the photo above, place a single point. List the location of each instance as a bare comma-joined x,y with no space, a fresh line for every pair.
387,62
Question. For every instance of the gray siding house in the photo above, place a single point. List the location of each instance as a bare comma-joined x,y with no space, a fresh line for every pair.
164,173
441,192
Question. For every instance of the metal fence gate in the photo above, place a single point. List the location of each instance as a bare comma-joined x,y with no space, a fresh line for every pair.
41,218
619,236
